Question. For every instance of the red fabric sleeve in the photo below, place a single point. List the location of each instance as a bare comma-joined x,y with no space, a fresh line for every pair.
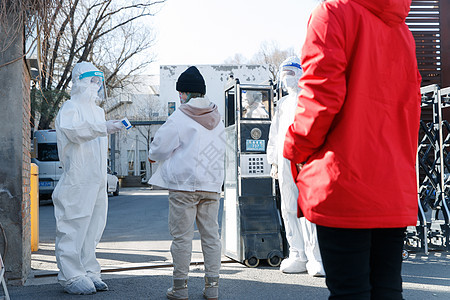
323,86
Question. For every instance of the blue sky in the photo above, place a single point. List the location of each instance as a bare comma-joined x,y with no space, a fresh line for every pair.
209,31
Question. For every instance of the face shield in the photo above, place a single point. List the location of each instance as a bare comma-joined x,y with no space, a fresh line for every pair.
286,72
96,83
290,74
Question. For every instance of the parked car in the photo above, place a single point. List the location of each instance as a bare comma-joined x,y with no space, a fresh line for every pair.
112,185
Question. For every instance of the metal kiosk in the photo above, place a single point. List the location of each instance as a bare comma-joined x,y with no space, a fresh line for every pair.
251,223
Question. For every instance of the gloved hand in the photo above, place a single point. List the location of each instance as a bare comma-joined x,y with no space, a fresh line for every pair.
274,171
113,126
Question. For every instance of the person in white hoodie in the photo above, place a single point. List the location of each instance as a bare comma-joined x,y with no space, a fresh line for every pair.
301,235
190,148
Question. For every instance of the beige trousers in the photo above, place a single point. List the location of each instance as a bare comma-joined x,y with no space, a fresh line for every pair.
185,208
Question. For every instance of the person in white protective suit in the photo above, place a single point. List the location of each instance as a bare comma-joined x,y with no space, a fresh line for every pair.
304,254
80,197
251,101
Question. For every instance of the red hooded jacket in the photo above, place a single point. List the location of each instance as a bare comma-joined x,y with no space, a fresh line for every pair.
357,119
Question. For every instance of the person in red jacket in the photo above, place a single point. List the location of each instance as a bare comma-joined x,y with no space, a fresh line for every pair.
353,142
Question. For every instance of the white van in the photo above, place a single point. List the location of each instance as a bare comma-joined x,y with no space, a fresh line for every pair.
47,159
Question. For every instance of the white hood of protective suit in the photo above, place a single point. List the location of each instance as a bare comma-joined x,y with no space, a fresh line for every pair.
82,89
83,120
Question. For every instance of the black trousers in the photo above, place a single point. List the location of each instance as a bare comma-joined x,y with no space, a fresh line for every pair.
362,263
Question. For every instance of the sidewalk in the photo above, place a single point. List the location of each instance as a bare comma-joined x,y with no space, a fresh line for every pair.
425,277
136,262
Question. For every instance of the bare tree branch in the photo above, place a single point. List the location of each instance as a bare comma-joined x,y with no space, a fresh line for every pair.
29,13
106,32
271,55
45,33
57,42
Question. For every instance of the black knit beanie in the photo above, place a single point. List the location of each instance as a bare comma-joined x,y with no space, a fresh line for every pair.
191,81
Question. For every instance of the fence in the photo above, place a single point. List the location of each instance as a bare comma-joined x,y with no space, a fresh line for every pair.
433,176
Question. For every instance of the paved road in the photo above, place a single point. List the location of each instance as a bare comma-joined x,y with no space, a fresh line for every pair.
135,258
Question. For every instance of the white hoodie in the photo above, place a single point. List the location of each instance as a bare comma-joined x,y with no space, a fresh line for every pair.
191,156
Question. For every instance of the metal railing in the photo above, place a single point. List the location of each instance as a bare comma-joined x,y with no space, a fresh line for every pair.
432,231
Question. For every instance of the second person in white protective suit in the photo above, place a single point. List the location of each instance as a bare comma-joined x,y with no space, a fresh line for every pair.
304,254
80,197
252,103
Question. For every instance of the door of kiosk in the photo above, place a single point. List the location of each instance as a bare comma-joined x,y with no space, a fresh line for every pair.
251,223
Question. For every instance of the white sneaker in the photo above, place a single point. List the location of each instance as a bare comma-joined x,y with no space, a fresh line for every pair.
292,265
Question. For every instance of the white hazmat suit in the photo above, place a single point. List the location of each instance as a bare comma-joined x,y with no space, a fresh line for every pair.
80,197
304,254
252,103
